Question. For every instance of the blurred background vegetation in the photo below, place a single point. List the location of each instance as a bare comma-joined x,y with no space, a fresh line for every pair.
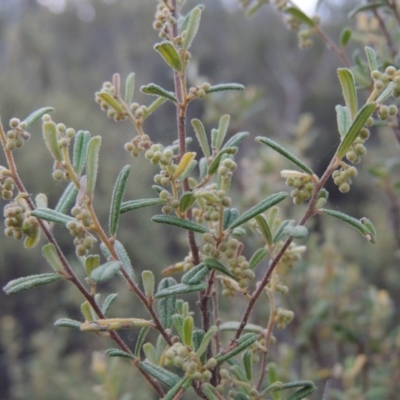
345,292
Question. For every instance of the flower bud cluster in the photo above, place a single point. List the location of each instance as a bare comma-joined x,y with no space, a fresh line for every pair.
303,187
382,79
108,100
283,317
18,221
384,111
163,20
6,184
199,91
138,144
181,356
17,136
80,230
358,149
343,177
291,255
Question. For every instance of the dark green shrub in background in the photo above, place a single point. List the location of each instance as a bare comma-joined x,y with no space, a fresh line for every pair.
332,328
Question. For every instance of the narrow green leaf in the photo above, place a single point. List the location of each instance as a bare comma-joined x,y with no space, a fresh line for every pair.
348,84
119,353
111,102
195,275
163,375
343,119
124,258
217,159
307,388
284,153
67,198
279,234
36,115
184,20
156,90
180,288
206,340
209,391
170,55
236,139
182,385
371,57
297,13
234,326
264,228
161,346
140,203
48,214
105,271
177,321
67,323
148,283
30,282
166,305
364,229
201,137
345,36
225,86
215,264
257,257
81,144
203,166
187,171
258,209
141,338
358,123
129,88
150,353
367,7
179,222
51,139
92,165
248,364
192,28
153,106
186,201
222,130
108,302
386,93
230,215
187,329
116,199
50,254
243,343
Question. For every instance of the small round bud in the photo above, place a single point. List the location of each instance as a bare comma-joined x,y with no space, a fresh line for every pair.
207,375
364,134
344,187
61,127
58,174
390,70
14,123
379,85
375,74
212,363
70,133
392,110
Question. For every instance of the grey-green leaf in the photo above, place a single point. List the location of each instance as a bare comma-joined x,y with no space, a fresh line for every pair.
206,340
140,203
163,375
179,222
140,340
371,57
192,27
67,198
67,323
348,84
195,275
234,326
222,130
170,55
180,288
116,200
236,139
297,13
217,159
258,209
257,257
81,144
343,119
105,271
36,115
50,254
230,215
129,87
124,258
201,136
50,215
156,90
225,86
243,343
166,305
30,282
364,229
215,264
358,123
92,165
285,153
108,302
119,353
183,384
